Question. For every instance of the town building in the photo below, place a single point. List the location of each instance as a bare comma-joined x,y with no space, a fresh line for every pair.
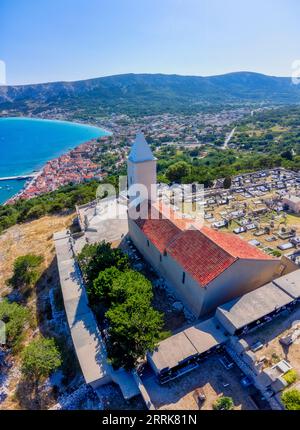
293,203
204,267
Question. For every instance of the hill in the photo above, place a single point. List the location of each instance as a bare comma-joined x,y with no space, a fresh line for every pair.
150,93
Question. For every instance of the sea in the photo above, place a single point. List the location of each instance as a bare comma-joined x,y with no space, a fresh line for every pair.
26,144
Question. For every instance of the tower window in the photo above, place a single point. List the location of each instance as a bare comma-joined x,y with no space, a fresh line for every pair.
160,258
165,253
183,277
148,243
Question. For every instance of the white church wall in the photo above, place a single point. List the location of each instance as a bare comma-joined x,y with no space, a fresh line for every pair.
243,276
189,293
142,173
240,278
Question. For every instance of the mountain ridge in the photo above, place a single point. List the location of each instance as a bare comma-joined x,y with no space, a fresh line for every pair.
158,92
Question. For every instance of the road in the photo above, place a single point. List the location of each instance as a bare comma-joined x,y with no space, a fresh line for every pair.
228,138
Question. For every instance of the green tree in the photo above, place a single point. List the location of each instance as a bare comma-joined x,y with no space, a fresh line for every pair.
288,155
177,171
291,376
36,212
100,289
128,284
227,182
15,318
40,358
291,400
100,256
25,271
223,403
135,328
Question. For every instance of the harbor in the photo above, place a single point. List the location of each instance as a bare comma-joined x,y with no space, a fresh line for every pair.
18,177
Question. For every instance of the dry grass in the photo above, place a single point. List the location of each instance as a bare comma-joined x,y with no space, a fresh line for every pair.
34,237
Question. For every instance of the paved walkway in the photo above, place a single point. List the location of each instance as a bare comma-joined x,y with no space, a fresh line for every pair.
87,340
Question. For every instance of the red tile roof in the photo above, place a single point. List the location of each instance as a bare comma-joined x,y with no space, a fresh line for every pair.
235,246
203,259
158,229
201,251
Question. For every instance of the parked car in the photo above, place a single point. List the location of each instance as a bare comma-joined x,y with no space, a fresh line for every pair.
257,346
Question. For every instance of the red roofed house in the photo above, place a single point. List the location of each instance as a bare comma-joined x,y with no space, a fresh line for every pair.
204,267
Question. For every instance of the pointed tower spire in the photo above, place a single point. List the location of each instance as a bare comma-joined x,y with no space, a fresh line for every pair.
140,150
141,168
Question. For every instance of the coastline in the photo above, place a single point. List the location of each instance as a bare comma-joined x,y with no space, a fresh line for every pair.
60,121
74,166
94,132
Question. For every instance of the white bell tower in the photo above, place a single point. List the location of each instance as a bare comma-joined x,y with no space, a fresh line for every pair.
141,167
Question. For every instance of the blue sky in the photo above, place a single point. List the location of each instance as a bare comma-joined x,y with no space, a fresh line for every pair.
49,40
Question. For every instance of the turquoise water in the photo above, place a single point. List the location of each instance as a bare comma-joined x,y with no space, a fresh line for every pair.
26,144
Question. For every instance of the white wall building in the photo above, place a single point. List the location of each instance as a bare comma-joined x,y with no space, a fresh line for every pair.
293,202
204,267
141,169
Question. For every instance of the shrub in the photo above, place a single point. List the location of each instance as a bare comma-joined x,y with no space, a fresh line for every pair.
102,285
40,358
15,318
99,256
227,182
24,271
223,403
177,171
290,377
130,283
135,328
291,400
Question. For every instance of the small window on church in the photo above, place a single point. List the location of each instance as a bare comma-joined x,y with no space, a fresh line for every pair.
183,277
160,257
138,208
148,243
165,253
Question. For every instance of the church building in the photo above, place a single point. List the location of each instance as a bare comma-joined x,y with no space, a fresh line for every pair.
204,267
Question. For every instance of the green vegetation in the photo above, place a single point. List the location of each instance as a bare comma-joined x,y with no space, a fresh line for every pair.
40,358
60,201
177,171
276,253
142,94
95,258
102,285
25,271
227,182
217,164
272,131
291,400
134,326
15,318
290,377
223,403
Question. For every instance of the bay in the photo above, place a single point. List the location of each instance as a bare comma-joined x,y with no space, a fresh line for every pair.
26,144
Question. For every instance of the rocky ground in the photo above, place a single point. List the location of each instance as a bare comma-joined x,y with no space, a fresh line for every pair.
65,389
